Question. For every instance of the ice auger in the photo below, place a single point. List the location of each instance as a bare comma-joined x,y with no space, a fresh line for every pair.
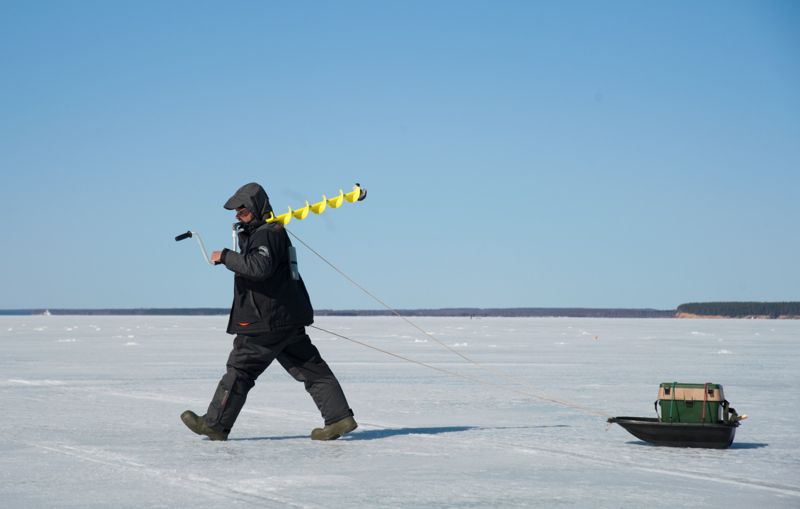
357,194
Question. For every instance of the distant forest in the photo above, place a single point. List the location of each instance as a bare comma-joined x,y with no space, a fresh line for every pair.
510,312
725,309
465,312
742,309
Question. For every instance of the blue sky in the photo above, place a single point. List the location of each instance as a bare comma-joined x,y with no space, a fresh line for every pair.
598,154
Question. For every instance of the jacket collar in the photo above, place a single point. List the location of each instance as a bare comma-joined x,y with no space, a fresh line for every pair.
250,227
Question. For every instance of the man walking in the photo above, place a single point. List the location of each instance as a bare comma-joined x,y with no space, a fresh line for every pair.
270,311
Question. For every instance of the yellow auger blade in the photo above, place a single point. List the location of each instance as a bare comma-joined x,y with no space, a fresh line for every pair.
336,202
302,212
357,194
319,207
284,218
353,195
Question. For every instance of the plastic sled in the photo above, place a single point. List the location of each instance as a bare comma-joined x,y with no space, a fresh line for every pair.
679,434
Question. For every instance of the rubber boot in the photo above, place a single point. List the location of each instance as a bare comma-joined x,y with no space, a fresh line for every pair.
197,424
334,430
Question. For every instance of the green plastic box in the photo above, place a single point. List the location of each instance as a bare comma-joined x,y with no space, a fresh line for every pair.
691,403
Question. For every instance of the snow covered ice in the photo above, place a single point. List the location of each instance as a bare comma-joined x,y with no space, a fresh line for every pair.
92,409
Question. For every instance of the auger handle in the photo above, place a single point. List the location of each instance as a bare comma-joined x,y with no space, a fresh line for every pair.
200,243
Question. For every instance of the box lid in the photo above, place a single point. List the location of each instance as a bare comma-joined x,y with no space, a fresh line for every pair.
690,392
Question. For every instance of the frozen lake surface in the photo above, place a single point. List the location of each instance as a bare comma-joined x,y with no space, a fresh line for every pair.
93,408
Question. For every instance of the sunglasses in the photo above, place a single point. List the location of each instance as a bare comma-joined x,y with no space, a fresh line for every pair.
242,212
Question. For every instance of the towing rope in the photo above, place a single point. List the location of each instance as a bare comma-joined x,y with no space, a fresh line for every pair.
513,380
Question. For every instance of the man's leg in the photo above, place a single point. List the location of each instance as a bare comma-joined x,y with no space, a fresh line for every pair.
246,362
303,361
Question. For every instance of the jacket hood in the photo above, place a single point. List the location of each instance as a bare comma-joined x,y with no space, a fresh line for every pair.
253,197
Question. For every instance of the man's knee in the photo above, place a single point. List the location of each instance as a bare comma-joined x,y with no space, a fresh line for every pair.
310,371
238,378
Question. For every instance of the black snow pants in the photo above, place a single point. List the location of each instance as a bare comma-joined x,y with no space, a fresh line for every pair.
251,355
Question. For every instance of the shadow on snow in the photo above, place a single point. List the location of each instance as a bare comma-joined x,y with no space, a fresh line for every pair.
377,434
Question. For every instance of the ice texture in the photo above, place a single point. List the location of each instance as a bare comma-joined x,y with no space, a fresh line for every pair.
92,417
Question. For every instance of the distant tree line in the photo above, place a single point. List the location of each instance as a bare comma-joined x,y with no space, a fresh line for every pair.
741,309
118,312
507,312
451,312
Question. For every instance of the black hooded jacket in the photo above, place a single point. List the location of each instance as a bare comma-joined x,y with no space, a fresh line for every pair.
266,297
